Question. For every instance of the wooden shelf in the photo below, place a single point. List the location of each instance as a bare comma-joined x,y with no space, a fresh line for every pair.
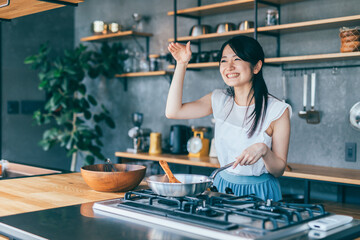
283,28
199,65
144,74
114,36
19,8
172,158
225,7
291,59
212,36
313,25
314,58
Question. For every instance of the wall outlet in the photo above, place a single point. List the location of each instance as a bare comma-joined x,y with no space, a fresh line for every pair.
13,107
350,151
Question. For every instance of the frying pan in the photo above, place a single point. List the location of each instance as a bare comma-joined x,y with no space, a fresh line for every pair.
191,184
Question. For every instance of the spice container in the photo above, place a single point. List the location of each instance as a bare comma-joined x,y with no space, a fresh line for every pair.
154,62
272,17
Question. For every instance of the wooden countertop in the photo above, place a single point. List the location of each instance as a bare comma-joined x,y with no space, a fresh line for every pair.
30,194
20,195
311,172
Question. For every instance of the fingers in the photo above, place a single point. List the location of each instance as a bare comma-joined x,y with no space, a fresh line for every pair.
244,159
178,46
188,48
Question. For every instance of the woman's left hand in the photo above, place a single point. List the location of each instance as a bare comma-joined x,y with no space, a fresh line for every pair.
251,155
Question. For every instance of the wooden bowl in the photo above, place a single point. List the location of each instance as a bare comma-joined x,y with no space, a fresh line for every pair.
127,178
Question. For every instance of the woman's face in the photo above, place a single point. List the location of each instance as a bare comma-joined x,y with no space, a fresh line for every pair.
234,71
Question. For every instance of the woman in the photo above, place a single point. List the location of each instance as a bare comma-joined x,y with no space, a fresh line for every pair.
252,127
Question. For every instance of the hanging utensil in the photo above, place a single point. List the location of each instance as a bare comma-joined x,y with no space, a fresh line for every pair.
284,86
355,116
303,113
169,174
313,116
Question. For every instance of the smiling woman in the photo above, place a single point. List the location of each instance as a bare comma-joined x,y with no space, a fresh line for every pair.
252,127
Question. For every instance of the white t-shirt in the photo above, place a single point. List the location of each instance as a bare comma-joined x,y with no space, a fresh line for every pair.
231,132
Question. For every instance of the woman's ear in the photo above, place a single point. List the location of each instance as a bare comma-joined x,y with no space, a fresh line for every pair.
257,67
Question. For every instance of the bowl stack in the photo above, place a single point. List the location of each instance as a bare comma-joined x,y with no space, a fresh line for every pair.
350,39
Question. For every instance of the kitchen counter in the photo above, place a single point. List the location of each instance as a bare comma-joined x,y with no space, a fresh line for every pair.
30,194
340,176
67,203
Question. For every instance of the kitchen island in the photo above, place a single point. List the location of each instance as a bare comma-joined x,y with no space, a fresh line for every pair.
59,206
66,203
21,195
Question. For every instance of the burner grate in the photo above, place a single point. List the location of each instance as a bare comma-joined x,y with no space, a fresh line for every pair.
219,210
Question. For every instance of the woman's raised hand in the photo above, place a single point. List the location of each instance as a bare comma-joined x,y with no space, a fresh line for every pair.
181,53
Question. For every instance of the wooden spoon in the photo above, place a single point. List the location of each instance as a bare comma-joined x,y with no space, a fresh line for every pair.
169,174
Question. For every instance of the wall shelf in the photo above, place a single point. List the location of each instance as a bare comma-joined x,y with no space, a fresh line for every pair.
312,25
20,8
278,29
291,59
115,36
314,58
224,7
199,65
125,76
144,74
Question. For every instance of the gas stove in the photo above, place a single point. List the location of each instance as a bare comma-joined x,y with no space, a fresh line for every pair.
223,216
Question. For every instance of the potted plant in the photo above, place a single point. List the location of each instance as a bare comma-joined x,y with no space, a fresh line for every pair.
74,115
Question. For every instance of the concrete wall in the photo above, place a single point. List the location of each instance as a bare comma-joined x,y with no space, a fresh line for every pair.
322,144
21,38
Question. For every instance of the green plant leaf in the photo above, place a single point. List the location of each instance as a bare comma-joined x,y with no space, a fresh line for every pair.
109,122
87,115
82,89
92,100
89,160
30,60
98,130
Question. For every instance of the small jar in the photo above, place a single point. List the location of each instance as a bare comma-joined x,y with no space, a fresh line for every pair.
272,17
154,62
114,27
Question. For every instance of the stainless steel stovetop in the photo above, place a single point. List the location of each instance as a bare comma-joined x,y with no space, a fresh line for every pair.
225,216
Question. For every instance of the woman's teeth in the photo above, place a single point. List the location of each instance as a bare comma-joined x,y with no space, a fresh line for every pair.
232,75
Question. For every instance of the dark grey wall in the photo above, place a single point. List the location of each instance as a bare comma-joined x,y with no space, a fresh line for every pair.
322,144
21,38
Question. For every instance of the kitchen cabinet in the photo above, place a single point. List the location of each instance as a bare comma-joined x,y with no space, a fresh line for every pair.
275,30
20,8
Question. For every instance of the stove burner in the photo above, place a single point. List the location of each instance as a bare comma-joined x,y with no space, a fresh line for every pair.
225,211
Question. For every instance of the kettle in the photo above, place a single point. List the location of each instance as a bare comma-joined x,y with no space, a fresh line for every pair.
179,135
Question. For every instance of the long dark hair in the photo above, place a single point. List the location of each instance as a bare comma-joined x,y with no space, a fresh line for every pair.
249,50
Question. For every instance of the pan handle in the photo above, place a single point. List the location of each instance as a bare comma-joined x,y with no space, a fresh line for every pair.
216,171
